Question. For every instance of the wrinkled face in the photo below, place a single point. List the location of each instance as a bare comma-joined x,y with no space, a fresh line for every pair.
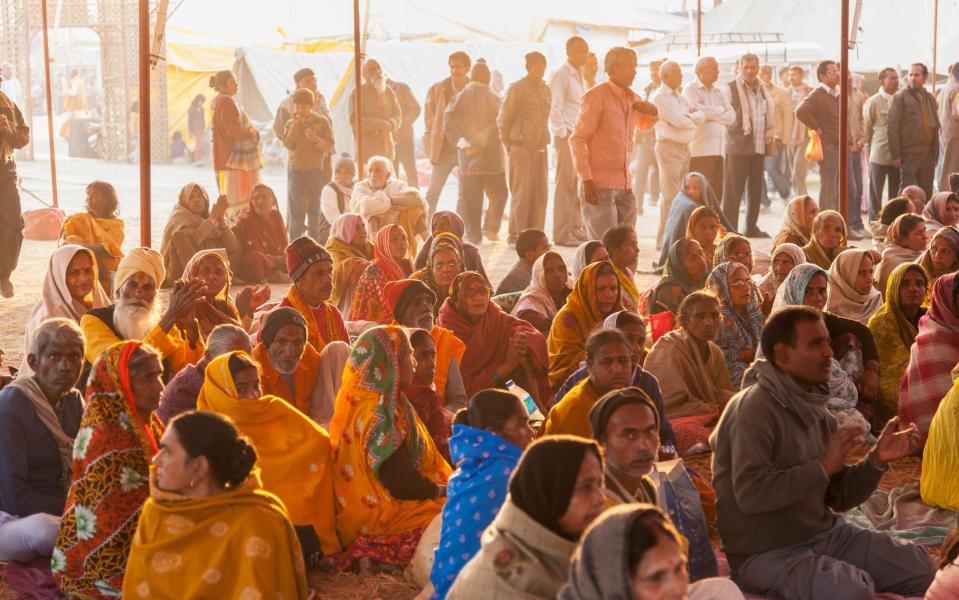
708,73
951,212
917,78
361,236
912,291
636,336
247,384
419,312
474,298
175,469
196,203
446,266
146,385
749,70
588,499
703,321
407,364
863,282
796,77
740,251
262,201
212,272
379,174
516,430
316,284
287,348
372,71
740,292
830,233
80,275
57,367
97,202
611,367
809,362
425,354
916,238
694,261
607,292
693,189
815,295
631,440
661,573
943,256
459,70
139,290
577,53
554,271
812,209
624,73
399,243
626,256
782,265
705,231
345,176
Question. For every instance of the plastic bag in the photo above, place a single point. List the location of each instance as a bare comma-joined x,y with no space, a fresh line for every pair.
814,147
43,224
660,324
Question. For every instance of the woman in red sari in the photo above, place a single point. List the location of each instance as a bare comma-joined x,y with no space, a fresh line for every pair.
263,239
389,264
485,329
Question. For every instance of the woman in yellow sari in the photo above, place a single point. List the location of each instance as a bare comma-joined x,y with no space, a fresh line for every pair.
389,478
294,452
208,530
99,229
352,252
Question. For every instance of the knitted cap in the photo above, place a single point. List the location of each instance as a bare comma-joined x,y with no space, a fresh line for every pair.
401,292
605,407
303,252
302,74
277,320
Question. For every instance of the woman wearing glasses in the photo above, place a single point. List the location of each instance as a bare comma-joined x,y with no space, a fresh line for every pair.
742,317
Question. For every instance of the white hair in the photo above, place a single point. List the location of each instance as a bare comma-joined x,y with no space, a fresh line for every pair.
134,321
705,60
379,159
226,338
666,66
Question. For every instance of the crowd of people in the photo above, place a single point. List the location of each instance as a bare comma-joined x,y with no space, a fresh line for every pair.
395,404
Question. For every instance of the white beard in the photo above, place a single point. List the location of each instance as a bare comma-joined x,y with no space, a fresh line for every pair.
379,84
134,322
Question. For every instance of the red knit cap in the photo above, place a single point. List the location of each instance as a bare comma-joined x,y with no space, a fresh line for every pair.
400,292
303,252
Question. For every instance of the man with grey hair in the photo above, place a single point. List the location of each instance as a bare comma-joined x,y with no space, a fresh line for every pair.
381,199
707,151
180,394
602,144
381,113
39,417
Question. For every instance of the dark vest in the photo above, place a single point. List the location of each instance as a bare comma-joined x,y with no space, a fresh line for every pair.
736,143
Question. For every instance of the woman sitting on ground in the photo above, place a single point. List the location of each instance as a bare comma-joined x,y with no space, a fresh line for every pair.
217,307
293,451
99,229
208,529
942,256
905,242
546,294
798,218
686,271
942,210
390,263
894,327
263,239
388,477
193,226
852,293
586,254
888,214
110,471
785,257
828,239
447,221
445,262
499,347
742,317
696,193
488,439
734,248
704,227
352,252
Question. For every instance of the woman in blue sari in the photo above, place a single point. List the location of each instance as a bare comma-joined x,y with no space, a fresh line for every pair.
696,192
488,438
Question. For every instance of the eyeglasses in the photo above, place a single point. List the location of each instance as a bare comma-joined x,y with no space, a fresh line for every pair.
741,256
738,284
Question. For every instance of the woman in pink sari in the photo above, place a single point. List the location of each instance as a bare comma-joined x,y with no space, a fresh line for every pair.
389,264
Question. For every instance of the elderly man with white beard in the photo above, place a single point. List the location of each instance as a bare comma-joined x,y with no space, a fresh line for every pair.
381,113
382,200
137,314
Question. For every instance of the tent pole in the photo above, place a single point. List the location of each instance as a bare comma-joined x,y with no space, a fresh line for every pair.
357,91
843,111
144,94
699,28
935,42
49,94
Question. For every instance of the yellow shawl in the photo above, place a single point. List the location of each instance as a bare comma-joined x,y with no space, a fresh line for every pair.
371,419
324,324
238,544
348,265
293,452
571,415
627,287
85,229
814,252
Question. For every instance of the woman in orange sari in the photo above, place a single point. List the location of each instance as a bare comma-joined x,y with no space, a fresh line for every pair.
389,264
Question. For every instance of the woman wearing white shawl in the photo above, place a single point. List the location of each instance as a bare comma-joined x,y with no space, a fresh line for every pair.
586,254
537,305
771,281
851,291
70,288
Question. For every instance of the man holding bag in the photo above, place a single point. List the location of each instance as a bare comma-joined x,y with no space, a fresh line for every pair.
819,111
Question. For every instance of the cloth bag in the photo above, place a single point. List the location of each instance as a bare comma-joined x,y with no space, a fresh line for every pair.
814,147
43,224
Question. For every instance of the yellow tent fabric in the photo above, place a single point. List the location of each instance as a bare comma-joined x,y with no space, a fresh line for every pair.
188,71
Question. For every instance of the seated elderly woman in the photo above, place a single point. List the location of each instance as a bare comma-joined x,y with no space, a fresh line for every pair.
98,229
70,288
704,227
852,293
110,472
204,483
293,451
383,200
828,239
785,257
193,226
586,254
696,193
734,248
686,272
742,317
489,437
215,306
905,242
263,238
888,214
894,327
390,263
942,210
798,218
942,256
445,262
447,221
595,296
352,252
546,294
39,418
486,329
388,476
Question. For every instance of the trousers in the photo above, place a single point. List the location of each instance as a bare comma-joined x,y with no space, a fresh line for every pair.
528,189
743,174
11,226
615,207
470,206
448,160
673,161
567,217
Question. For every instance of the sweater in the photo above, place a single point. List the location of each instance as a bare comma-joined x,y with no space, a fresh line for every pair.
306,155
18,137
820,110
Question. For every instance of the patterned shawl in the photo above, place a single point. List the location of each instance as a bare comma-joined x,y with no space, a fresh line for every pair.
349,262
581,257
111,460
694,219
443,241
815,253
843,299
792,291
472,260
369,301
536,297
769,284
737,332
795,223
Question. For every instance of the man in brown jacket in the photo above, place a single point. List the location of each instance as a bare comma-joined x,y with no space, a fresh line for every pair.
819,111
441,152
381,113
914,131
14,134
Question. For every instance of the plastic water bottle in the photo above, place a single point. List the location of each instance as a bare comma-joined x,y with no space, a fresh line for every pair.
526,399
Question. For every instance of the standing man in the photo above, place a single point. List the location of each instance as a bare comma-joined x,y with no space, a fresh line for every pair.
748,138
602,144
914,132
678,120
524,128
403,137
819,111
797,88
876,137
854,183
567,87
381,113
10,85
14,134
775,164
647,172
949,118
442,152
708,148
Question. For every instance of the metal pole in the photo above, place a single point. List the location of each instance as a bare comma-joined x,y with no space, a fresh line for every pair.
935,42
49,94
843,111
144,93
357,91
699,28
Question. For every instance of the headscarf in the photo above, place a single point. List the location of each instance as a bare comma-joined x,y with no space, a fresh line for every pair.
369,300
55,299
814,252
769,284
111,460
694,219
293,452
894,253
140,260
206,312
189,270
795,223
390,268
182,217
792,291
443,241
949,233
843,299
892,310
677,274
344,227
536,297
682,208
725,244
263,234
935,211
349,262
581,257
472,261
737,332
